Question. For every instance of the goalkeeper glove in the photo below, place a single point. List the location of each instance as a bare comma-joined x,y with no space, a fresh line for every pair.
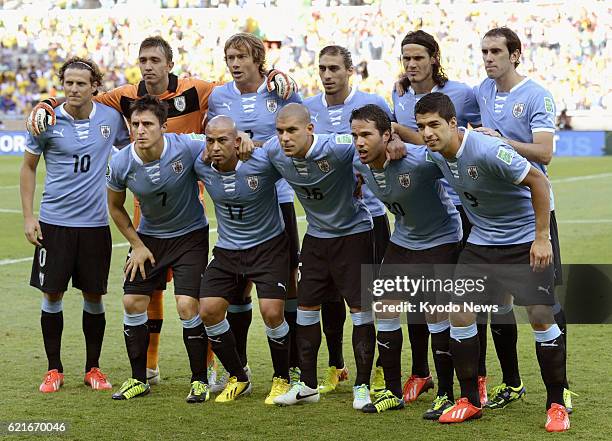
41,116
282,83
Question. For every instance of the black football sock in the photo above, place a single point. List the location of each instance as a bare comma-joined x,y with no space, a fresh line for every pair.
333,316
443,361
278,341
290,317
308,342
562,323
94,325
505,335
418,334
364,344
389,340
239,318
136,335
464,347
482,320
52,324
550,350
223,345
196,344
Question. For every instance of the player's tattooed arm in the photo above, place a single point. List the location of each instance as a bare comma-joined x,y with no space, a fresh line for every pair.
540,150
407,134
247,145
396,149
139,253
541,254
27,186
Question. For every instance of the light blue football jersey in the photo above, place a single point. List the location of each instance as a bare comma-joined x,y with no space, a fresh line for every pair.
465,104
76,156
254,113
425,216
167,188
528,108
336,119
324,183
245,201
486,175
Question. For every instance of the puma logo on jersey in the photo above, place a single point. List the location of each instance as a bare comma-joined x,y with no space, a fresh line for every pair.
59,132
226,105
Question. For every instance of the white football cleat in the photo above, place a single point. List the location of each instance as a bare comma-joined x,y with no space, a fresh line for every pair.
153,376
361,396
298,394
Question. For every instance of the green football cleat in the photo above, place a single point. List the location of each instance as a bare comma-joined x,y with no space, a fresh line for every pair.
567,400
439,405
503,395
378,382
385,400
132,388
199,393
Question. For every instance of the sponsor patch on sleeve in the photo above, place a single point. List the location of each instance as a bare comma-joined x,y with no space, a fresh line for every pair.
344,139
549,106
505,155
197,136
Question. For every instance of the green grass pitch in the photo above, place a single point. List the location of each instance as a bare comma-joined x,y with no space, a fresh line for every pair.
583,189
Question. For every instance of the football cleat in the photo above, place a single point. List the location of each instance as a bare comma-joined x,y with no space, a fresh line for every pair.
199,392
249,374
153,376
461,411
557,419
132,388
280,386
298,394
567,400
97,380
361,396
482,390
439,405
503,395
52,382
415,386
384,400
233,390
294,375
378,383
332,378
217,379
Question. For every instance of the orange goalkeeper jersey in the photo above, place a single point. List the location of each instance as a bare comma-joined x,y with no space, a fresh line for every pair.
187,101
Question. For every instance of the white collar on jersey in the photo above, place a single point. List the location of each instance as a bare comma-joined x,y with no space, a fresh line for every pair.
348,98
434,89
137,158
315,139
260,89
466,133
523,81
238,165
69,116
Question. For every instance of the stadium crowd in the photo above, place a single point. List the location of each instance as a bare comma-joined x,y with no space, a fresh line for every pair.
564,44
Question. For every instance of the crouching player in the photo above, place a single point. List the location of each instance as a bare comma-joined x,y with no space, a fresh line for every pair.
252,247
427,232
173,234
507,201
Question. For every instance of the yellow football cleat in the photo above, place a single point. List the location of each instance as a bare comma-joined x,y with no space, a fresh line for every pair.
233,390
280,386
332,378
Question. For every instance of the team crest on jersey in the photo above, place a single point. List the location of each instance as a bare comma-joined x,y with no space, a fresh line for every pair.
271,105
472,172
105,130
179,103
253,182
404,180
177,167
517,109
324,165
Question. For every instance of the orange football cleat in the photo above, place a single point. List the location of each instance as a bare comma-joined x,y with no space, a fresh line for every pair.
461,411
415,386
97,380
52,382
343,374
482,390
557,419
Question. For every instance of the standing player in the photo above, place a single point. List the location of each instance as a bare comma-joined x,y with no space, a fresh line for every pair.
330,112
424,74
337,242
252,247
521,113
187,100
507,200
253,108
427,231
173,234
72,237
